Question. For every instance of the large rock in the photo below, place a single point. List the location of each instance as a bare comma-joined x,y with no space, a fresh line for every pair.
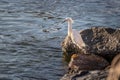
111,73
87,62
101,41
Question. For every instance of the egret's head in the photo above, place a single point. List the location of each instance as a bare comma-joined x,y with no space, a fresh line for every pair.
69,20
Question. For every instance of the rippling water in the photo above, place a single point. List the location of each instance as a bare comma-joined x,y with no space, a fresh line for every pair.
30,33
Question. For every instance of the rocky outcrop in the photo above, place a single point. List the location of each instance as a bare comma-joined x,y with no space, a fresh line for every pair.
101,41
110,73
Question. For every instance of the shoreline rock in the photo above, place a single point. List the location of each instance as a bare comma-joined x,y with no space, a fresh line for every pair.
102,42
87,62
87,75
110,73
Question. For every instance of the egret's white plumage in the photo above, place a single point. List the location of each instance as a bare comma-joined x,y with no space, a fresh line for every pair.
74,34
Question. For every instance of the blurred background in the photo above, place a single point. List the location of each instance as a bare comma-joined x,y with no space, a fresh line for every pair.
31,33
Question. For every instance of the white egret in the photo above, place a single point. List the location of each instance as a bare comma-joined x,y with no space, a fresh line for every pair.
74,34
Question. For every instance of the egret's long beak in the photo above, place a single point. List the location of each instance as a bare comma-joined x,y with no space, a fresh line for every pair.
64,20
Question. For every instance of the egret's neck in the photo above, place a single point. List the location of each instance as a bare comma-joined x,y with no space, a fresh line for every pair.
69,28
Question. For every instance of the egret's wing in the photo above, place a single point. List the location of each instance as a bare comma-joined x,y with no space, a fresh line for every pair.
77,39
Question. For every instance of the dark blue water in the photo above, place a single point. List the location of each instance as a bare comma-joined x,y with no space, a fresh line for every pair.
30,33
